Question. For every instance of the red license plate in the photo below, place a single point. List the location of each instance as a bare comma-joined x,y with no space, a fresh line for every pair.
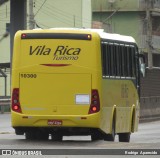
55,122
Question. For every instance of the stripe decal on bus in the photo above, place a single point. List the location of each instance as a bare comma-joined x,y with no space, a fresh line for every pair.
56,65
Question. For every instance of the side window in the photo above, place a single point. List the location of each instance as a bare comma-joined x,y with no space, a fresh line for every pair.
129,59
133,57
104,62
112,60
123,62
118,60
126,61
108,60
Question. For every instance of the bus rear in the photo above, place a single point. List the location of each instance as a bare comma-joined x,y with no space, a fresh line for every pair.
55,83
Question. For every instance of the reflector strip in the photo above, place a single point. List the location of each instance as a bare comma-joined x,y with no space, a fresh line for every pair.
56,65
25,117
83,118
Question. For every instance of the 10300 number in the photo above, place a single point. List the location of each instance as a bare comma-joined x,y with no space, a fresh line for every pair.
28,75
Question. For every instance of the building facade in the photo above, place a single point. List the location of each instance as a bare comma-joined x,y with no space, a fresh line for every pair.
4,49
138,18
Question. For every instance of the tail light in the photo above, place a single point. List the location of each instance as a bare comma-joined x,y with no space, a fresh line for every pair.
95,103
15,101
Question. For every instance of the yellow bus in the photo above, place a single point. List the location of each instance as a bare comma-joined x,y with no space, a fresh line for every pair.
75,82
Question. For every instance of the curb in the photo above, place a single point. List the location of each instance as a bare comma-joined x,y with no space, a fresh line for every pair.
149,119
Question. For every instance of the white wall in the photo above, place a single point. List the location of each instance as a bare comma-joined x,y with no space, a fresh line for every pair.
5,42
4,45
63,13
86,14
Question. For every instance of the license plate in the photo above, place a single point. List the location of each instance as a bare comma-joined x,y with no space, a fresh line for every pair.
55,122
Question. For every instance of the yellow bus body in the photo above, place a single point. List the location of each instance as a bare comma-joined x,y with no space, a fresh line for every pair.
55,79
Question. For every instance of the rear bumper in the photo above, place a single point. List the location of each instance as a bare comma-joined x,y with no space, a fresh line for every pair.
21,120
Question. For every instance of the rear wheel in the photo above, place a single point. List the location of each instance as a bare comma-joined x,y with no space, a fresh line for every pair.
40,135
57,137
110,137
96,135
19,132
30,135
124,137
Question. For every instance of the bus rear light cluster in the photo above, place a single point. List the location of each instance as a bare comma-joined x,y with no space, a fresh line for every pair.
95,103
15,101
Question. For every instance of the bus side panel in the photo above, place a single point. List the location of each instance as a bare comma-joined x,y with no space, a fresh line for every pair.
106,119
119,98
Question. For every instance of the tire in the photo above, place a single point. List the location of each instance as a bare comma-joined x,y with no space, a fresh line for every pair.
110,137
19,132
40,135
45,136
57,137
30,135
95,137
124,137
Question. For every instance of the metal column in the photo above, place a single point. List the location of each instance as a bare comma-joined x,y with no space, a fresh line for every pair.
17,19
